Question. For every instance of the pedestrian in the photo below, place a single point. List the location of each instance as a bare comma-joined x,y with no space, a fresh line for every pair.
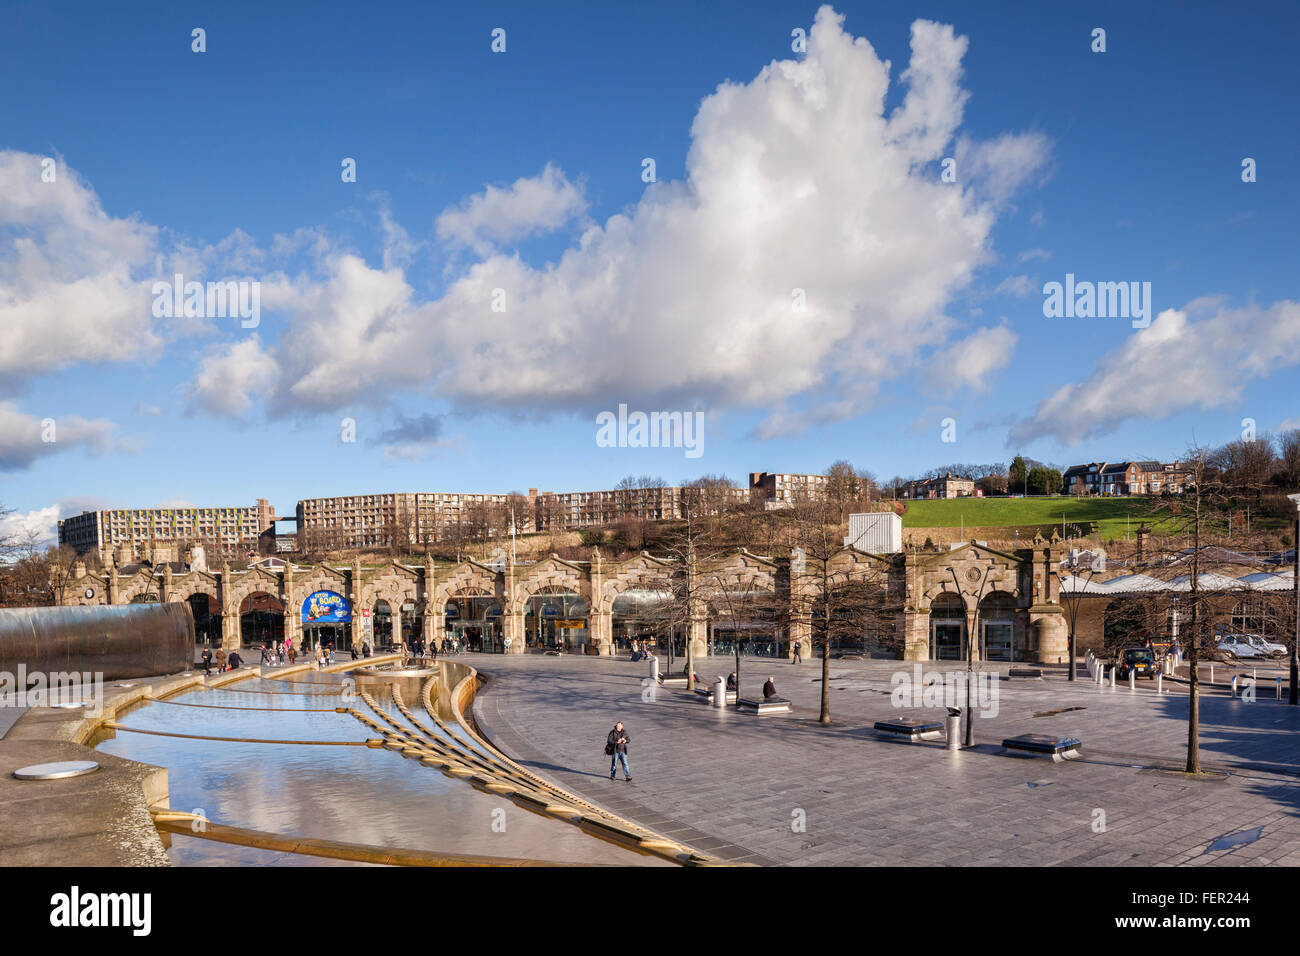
293,654
354,651
207,660
798,652
235,660
266,655
616,748
221,659
769,689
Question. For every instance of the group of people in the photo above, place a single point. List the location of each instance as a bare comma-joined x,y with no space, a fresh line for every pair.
769,688
224,661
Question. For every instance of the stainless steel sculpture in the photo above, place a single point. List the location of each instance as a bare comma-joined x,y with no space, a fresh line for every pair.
131,640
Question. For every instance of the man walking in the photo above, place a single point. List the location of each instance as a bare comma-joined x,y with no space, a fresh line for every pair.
798,651
616,747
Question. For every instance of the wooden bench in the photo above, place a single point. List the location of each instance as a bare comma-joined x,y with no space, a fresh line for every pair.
770,705
1042,745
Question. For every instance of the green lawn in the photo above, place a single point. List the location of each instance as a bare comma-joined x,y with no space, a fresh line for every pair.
1115,517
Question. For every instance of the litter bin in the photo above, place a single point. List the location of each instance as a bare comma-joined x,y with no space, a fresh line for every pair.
953,721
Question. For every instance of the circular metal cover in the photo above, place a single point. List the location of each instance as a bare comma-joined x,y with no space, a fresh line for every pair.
56,771
67,704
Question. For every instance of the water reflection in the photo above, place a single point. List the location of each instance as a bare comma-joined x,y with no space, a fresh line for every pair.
350,793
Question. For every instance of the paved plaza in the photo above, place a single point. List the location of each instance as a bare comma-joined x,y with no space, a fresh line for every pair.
740,786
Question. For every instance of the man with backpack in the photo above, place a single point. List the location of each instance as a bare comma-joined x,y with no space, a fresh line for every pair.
616,749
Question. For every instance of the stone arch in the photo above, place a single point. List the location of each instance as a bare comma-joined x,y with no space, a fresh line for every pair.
633,574
469,579
547,576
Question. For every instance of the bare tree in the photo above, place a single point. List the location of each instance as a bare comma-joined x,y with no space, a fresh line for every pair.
838,592
1196,531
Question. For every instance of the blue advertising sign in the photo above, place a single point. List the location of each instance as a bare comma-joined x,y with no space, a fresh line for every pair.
326,607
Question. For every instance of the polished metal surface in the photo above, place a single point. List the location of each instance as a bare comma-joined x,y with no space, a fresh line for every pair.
117,641
56,771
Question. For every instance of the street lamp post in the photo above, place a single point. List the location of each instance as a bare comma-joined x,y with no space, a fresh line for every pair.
970,649
1072,607
1294,697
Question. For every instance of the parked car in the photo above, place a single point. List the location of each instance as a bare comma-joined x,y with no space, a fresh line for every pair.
1137,660
1232,647
1266,647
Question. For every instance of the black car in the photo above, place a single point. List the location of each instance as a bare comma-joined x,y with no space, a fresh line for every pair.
1137,660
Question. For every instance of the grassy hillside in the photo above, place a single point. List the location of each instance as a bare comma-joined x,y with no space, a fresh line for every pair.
1115,517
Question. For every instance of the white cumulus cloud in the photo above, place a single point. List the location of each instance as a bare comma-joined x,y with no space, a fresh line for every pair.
1201,356
798,188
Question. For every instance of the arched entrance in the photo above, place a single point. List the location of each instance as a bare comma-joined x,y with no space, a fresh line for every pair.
997,614
947,628
382,615
637,616
261,619
207,618
474,621
743,619
556,618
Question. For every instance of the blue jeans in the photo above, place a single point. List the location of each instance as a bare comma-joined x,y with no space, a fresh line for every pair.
613,766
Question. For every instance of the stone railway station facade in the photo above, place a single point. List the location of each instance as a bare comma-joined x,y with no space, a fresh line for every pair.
932,602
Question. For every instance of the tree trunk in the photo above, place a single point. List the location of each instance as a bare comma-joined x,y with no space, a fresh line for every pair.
1193,694
825,716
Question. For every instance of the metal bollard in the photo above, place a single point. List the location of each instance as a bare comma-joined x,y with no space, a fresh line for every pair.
1279,688
1160,680
1211,672
1234,685
719,692
954,731
1132,680
654,669
1114,674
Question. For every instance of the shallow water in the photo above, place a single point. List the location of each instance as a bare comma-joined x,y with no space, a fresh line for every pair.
349,793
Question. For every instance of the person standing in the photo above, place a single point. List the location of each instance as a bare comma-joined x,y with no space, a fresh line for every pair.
221,659
616,747
207,660
798,652
769,689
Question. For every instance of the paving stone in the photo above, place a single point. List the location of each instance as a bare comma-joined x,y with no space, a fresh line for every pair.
734,782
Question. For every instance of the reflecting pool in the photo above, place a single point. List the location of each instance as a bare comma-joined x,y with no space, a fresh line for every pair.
335,789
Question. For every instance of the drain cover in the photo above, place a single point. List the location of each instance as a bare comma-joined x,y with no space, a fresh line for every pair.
56,771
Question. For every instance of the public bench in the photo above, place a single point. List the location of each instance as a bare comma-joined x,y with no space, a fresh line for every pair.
770,705
909,729
1030,673
706,691
1042,745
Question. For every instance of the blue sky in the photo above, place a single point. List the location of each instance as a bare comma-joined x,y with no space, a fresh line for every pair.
479,170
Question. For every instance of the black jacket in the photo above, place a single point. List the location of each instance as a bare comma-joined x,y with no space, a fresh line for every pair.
612,740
